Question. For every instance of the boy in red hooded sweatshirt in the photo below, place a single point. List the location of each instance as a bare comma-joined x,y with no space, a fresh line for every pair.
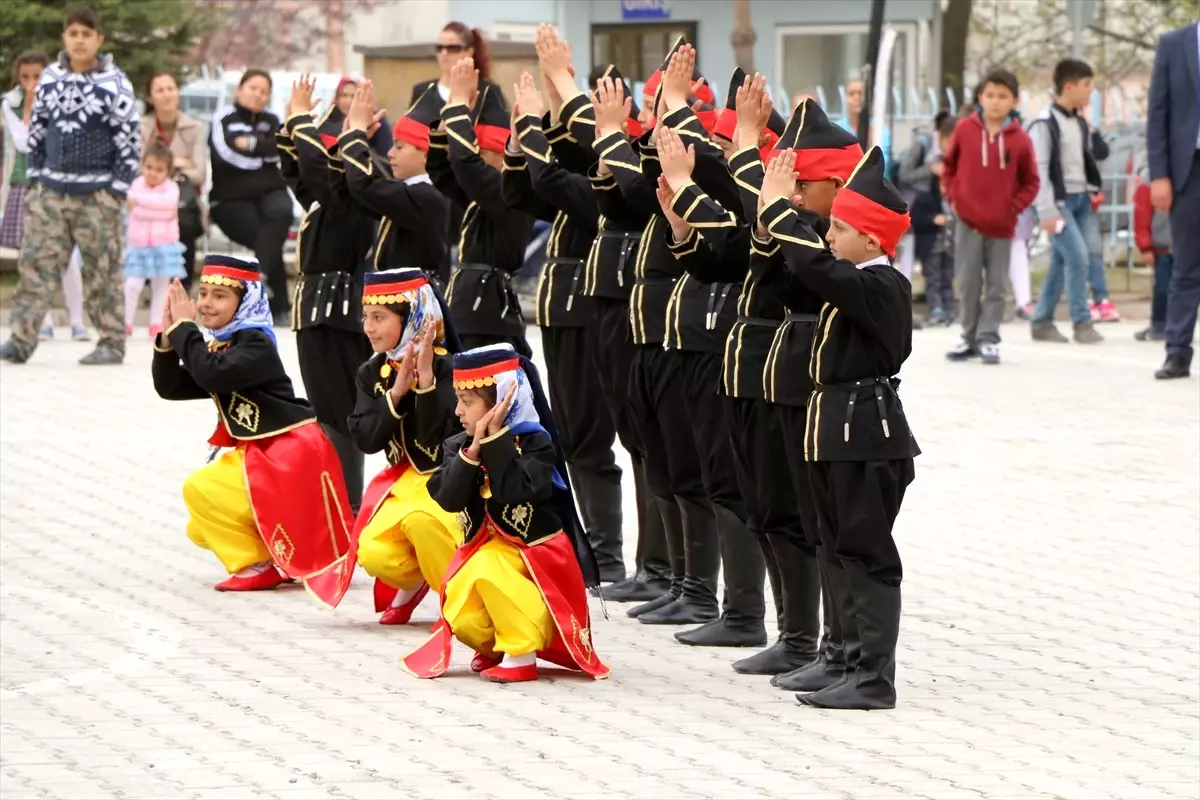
989,177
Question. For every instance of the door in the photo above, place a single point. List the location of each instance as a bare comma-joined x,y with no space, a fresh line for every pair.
637,50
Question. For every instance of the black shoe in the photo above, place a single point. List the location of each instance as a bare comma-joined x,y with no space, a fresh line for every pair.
721,633
1149,335
10,353
775,660
819,674
1173,367
680,612
872,685
102,356
664,599
634,589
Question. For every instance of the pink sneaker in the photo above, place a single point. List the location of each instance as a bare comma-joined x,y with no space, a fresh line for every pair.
1094,310
129,330
1107,312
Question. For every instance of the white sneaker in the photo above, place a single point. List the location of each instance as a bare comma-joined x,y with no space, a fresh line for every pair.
989,353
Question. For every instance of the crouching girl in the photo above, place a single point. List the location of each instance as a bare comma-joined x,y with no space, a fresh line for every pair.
515,590
273,507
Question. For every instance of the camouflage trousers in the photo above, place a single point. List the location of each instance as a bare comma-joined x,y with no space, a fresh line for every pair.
54,224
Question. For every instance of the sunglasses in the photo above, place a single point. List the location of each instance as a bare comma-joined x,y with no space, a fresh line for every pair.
449,48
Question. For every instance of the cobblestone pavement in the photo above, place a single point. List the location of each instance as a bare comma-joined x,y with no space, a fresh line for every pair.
1049,645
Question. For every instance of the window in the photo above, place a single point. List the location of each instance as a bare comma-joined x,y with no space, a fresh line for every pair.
637,50
515,31
821,59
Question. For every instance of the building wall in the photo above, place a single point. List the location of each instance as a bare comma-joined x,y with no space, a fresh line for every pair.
393,22
713,18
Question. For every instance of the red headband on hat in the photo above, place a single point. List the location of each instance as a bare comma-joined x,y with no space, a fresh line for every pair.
867,216
824,163
491,137
409,130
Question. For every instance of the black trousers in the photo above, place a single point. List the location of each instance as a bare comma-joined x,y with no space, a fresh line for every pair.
794,419
472,340
613,357
659,402
588,434
261,224
329,360
762,453
857,503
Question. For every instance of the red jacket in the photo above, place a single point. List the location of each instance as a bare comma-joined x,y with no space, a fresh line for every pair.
1149,224
989,180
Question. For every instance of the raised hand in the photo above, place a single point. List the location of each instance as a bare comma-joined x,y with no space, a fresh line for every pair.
360,115
554,55
301,99
500,411
753,106
404,374
529,98
677,160
779,178
611,106
181,306
167,322
464,83
677,78
425,358
679,227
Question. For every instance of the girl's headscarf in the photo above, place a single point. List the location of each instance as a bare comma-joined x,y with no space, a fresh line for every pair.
426,306
501,366
253,311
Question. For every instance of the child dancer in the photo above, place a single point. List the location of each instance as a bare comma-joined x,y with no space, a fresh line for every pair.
515,591
405,407
153,251
274,504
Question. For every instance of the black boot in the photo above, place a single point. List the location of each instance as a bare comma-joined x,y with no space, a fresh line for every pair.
702,562
837,652
599,496
1173,367
873,682
668,515
653,576
352,464
741,624
799,632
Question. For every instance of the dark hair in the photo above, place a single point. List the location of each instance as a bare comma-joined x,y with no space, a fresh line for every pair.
946,126
1002,77
399,309
159,152
254,72
82,16
596,74
473,38
150,86
1070,70
28,57
487,393
939,118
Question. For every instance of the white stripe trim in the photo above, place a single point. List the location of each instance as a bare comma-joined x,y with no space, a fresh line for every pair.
226,153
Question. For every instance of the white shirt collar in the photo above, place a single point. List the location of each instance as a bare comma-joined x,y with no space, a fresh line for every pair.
878,260
422,178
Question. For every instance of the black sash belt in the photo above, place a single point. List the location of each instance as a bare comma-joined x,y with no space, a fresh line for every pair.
716,302
628,241
762,322
853,387
578,263
487,273
800,317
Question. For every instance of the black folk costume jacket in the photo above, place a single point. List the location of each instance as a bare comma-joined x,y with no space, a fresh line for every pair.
863,336
412,430
335,233
244,377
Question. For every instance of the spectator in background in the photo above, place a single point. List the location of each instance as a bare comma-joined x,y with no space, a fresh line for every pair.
456,42
333,120
854,105
165,124
152,248
1100,306
989,176
1069,178
918,173
934,229
1173,146
1018,265
1152,235
84,145
18,109
250,200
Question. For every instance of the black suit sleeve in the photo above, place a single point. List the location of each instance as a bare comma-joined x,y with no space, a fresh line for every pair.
519,476
637,187
374,420
566,191
433,408
457,480
251,360
437,162
171,380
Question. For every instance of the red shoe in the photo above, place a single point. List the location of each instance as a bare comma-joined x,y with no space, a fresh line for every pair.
481,663
267,579
498,674
1106,311
400,615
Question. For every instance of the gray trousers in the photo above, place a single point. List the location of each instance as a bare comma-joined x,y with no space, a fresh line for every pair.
981,266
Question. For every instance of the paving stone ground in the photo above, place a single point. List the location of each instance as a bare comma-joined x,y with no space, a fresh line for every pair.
1049,646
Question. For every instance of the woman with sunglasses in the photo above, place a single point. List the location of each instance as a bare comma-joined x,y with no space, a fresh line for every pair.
456,42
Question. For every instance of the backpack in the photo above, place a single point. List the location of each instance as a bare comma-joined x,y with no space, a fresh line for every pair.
921,143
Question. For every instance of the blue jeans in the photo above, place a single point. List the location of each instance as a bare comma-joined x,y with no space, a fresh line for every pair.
1069,264
1096,277
1163,263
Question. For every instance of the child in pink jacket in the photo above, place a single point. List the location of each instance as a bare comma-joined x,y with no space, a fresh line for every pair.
152,248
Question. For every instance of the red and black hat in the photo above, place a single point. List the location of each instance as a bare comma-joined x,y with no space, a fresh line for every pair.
635,127
414,126
871,204
221,270
727,119
823,150
491,118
